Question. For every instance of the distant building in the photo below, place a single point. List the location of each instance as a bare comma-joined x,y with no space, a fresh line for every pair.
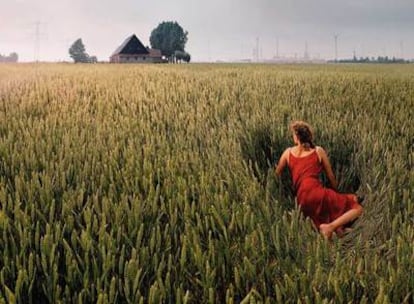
133,51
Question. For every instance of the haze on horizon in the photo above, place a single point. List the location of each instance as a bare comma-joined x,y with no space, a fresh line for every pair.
218,29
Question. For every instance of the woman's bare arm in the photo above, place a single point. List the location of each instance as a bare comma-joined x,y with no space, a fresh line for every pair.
283,161
327,167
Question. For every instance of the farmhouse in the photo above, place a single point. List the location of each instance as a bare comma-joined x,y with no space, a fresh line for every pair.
133,51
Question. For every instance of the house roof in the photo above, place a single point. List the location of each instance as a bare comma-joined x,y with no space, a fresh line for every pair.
131,45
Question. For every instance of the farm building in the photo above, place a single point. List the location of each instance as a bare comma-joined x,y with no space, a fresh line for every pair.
133,51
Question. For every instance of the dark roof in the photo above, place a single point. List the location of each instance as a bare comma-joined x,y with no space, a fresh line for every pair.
131,45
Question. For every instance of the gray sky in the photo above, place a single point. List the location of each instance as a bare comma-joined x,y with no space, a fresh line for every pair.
218,29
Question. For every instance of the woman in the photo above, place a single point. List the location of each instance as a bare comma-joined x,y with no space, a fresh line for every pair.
329,210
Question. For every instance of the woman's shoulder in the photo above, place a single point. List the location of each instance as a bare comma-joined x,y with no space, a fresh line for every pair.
286,152
289,151
320,151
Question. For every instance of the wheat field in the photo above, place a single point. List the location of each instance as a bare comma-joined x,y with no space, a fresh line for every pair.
155,183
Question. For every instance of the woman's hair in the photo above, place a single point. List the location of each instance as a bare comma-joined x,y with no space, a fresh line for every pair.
304,133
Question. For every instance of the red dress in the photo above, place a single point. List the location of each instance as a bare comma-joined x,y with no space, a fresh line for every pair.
321,204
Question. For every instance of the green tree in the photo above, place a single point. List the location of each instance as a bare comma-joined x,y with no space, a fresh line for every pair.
78,53
14,57
93,59
168,37
182,56
187,57
178,56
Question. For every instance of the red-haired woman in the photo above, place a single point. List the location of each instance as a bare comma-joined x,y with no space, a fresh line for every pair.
329,210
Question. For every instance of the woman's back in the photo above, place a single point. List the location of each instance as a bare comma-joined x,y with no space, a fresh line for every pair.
305,168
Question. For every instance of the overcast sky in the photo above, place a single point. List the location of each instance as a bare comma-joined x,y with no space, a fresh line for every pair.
218,29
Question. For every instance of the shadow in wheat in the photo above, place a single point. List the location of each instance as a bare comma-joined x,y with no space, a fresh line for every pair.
354,176
342,154
261,147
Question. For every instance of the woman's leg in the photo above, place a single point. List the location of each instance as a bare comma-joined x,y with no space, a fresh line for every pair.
328,229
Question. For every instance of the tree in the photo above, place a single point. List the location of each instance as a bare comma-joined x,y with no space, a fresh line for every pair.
182,56
93,59
178,56
78,53
13,57
168,37
187,57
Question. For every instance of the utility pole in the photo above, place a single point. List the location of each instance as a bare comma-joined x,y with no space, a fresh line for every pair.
306,54
402,49
336,47
37,36
257,49
208,50
277,47
37,41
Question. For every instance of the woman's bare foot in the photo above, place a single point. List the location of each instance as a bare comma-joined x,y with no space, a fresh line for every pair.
326,230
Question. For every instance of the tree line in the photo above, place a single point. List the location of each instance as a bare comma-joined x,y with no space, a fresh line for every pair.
13,57
379,59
